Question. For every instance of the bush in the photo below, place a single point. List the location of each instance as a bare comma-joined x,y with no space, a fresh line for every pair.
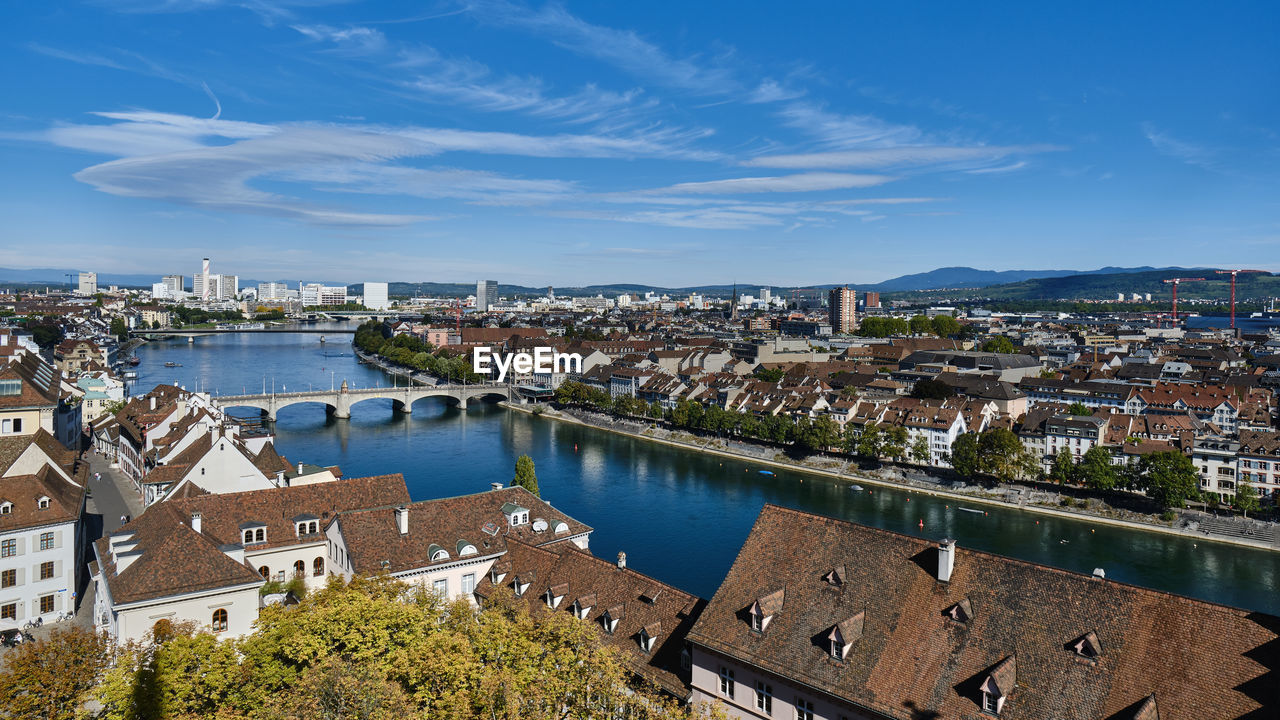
1067,502
1168,516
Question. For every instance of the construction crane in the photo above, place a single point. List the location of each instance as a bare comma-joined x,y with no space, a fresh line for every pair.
1174,282
1233,274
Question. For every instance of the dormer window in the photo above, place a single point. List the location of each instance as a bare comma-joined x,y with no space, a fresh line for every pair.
42,503
555,594
764,608
961,612
835,578
437,553
842,636
610,619
306,526
649,636
6,508
253,533
997,685
582,606
520,585
496,576
1088,647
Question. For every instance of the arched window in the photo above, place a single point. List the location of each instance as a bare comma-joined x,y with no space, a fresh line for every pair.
219,620
265,572
299,568
260,535
317,567
248,536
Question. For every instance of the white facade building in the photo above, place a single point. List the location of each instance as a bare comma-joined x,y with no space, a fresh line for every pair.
87,283
375,296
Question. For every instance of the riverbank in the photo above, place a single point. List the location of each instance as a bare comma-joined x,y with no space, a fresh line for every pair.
838,470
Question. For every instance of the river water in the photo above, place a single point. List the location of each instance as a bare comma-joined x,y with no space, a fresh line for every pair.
679,515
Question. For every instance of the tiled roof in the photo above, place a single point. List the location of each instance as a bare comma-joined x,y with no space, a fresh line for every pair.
24,492
276,507
1198,659
174,560
635,600
39,382
372,536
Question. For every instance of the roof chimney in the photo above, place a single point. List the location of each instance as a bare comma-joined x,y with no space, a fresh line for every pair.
402,519
195,521
622,561
495,486
153,402
946,559
299,468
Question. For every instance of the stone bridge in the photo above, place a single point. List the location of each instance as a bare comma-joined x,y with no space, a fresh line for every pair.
339,401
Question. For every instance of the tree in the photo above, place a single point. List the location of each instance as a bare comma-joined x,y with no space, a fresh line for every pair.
772,375
1246,497
51,678
932,389
1078,408
525,476
1002,455
817,435
1096,471
869,443
964,454
119,328
920,324
998,344
945,326
1169,478
895,442
1063,469
920,451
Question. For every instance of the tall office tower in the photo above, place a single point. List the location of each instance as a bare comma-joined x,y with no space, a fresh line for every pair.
88,284
228,286
177,284
375,296
871,299
766,295
840,309
486,295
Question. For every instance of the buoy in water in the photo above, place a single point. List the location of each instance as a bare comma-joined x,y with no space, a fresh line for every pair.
921,523
575,447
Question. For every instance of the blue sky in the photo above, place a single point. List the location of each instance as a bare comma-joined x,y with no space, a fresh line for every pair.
662,143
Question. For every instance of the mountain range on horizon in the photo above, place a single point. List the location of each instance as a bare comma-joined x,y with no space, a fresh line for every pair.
937,279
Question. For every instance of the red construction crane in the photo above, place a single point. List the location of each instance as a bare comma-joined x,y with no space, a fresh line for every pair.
1233,274
1174,282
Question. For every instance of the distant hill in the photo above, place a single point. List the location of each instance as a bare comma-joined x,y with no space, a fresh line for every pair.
967,277
1106,286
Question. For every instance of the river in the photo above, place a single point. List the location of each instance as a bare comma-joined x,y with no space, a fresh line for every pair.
679,515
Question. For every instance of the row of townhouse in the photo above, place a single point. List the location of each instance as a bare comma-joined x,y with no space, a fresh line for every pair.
42,502
34,397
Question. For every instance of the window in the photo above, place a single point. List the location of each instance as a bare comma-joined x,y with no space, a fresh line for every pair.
8,548
757,622
43,503
317,567
300,568
6,508
46,604
441,587
764,697
260,535
468,583
220,620
46,570
804,709
265,572
9,612
46,541
726,682
837,649
8,578
990,703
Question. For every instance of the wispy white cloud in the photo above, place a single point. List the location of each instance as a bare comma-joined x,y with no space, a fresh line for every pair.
803,182
1012,167
839,131
211,163
77,56
898,157
770,91
1190,153
623,49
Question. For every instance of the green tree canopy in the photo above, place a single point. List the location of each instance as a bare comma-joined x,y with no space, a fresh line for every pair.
964,455
932,389
998,344
1246,498
1063,470
1096,471
52,677
1079,409
920,324
945,326
525,475
1169,478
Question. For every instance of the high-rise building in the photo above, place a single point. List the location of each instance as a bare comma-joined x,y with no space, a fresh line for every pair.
176,284
88,284
840,309
766,295
870,299
272,291
375,296
228,286
486,295
202,285
315,294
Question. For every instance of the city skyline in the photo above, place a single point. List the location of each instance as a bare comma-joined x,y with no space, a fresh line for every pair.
550,144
